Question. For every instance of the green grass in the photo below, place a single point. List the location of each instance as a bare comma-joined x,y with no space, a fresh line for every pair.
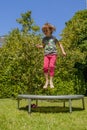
48,116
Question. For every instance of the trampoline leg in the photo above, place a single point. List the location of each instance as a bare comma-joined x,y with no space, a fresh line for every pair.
70,106
83,104
29,106
64,104
18,103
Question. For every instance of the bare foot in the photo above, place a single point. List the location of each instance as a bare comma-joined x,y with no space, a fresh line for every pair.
51,85
46,85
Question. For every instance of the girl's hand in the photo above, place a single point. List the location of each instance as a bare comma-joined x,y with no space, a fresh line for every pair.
64,53
39,46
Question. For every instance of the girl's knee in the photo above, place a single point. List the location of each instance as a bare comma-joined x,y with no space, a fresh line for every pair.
45,69
52,71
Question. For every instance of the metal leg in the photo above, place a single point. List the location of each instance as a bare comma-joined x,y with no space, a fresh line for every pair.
83,104
70,106
18,103
29,105
64,103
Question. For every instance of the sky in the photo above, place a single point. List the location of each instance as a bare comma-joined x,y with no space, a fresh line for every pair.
56,12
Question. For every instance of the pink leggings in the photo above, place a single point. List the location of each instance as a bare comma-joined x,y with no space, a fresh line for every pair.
49,64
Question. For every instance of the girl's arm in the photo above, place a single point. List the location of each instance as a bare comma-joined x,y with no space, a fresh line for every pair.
62,49
39,46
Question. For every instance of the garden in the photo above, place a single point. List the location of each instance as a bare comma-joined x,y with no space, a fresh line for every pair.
21,73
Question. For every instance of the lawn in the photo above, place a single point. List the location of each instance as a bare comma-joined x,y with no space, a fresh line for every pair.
49,115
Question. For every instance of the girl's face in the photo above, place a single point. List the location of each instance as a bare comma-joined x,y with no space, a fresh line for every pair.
47,32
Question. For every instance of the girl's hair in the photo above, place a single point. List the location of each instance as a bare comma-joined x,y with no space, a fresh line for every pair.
48,25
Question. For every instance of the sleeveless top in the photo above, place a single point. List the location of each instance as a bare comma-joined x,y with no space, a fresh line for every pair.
49,44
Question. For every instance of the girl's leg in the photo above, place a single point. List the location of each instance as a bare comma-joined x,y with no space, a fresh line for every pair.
52,69
45,68
46,83
51,82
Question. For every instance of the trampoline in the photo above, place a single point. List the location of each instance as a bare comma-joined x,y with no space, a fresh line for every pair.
69,98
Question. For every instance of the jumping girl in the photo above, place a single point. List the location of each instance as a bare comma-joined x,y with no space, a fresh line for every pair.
49,43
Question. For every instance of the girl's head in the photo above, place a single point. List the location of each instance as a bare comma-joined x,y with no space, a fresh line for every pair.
48,29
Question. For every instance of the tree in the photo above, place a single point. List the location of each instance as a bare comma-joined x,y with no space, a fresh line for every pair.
74,36
27,22
20,61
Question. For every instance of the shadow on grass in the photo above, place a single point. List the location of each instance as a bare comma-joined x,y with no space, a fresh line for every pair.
50,109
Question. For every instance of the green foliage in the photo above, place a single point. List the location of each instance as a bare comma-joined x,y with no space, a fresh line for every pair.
21,68
20,60
21,63
27,22
74,36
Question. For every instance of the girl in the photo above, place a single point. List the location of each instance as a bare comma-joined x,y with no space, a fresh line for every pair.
50,52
